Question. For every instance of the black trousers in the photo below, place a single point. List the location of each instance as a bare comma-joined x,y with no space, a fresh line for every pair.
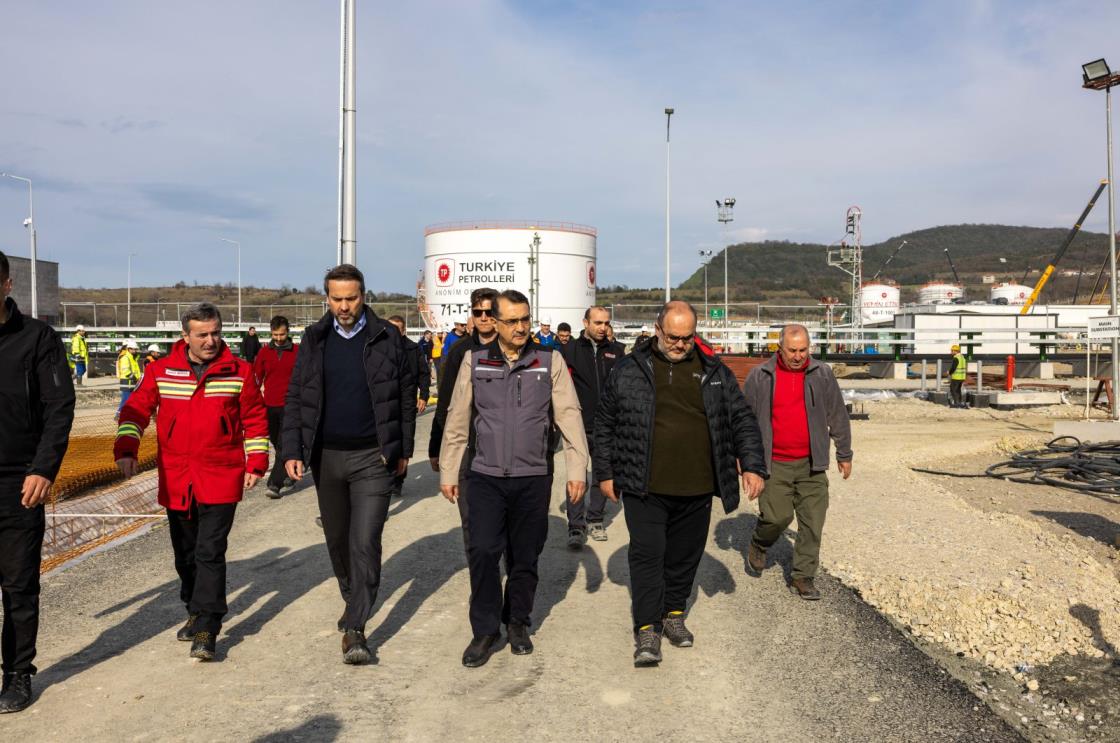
591,509
955,386
275,426
667,538
353,489
507,515
199,537
21,548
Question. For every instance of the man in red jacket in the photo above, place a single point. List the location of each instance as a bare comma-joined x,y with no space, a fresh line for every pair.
272,369
212,431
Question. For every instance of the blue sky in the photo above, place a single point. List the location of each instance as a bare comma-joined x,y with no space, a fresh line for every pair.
159,128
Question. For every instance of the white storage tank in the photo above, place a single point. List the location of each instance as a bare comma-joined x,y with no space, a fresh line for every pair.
1013,293
879,301
460,257
939,292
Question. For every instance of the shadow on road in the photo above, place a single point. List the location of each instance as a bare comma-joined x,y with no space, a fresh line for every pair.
1090,525
319,728
280,575
558,568
425,565
735,535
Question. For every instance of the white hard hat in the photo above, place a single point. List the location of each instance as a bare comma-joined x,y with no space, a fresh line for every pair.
79,328
130,343
154,348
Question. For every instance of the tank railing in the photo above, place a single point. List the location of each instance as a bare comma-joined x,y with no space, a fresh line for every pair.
510,224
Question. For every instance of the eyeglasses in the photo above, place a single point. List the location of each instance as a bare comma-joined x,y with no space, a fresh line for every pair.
483,313
672,340
515,321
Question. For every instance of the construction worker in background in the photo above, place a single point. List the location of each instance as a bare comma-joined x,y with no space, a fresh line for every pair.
590,359
958,370
545,337
38,411
213,445
272,371
154,354
128,370
563,334
800,409
427,345
251,346
79,353
509,394
423,382
643,337
437,356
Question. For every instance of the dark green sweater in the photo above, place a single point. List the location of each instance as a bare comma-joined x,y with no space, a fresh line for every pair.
682,446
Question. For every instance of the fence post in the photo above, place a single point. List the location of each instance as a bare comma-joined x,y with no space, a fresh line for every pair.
938,387
923,375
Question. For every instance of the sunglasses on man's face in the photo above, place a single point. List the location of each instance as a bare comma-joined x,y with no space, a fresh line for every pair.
483,312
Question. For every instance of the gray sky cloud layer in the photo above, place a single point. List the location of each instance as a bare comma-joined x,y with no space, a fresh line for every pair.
158,128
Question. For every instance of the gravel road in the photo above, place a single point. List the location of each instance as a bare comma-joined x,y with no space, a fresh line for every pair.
766,666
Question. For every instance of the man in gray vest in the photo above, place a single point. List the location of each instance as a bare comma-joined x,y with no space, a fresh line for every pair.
510,393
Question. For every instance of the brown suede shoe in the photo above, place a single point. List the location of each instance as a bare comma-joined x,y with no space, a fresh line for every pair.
804,588
756,560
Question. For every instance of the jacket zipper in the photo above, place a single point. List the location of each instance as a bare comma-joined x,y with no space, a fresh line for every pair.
653,414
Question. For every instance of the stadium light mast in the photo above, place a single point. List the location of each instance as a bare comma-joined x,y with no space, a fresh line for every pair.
725,214
668,118
1096,75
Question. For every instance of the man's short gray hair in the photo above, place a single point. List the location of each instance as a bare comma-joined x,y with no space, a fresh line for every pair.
675,306
202,312
793,329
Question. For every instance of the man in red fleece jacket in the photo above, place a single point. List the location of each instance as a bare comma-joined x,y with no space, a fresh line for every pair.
213,444
272,369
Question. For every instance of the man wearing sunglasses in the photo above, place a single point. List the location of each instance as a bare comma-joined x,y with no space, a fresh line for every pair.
483,334
507,397
672,431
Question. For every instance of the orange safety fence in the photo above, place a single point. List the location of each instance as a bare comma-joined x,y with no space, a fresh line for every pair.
91,503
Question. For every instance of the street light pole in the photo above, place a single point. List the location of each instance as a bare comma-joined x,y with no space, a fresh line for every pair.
706,257
1096,75
668,117
129,300
234,242
30,224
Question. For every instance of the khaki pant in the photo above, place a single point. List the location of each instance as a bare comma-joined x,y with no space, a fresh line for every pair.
794,490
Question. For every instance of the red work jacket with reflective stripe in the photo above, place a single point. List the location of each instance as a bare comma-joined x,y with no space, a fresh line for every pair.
211,431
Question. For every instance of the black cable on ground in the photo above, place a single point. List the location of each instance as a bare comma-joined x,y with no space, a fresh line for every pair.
1064,462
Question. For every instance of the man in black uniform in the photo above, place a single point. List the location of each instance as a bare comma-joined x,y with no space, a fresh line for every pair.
423,375
36,410
485,332
590,359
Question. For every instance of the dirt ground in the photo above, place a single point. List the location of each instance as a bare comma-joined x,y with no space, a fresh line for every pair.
766,666
1013,587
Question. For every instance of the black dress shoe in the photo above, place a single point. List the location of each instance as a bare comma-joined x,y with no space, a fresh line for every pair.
186,632
519,642
16,696
202,646
355,651
479,651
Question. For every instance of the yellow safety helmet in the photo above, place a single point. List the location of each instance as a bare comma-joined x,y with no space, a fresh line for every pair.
956,347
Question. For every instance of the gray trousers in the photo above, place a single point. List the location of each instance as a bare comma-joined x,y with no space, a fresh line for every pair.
353,489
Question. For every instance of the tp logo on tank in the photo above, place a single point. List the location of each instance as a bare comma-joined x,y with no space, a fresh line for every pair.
445,272
591,274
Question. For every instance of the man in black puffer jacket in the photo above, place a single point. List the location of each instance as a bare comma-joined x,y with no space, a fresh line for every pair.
672,430
350,413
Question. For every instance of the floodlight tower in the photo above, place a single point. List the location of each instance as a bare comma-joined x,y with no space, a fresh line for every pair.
848,257
725,213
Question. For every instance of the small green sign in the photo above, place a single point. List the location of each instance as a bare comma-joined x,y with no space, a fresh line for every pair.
715,313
